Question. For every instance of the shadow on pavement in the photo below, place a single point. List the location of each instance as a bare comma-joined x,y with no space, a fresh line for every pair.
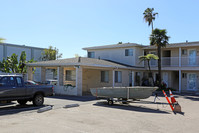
193,98
8,110
75,98
131,108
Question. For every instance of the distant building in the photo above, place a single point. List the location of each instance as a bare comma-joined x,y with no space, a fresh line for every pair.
35,53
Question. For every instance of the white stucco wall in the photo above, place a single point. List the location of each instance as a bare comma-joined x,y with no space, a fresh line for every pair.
118,55
1,52
138,52
18,50
37,54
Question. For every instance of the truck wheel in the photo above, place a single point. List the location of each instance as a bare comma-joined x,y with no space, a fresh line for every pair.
38,100
22,102
110,102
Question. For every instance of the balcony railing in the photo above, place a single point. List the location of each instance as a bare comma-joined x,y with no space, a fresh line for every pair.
174,62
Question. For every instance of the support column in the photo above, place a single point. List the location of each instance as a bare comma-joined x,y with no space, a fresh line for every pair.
60,76
180,62
113,85
30,74
180,81
133,79
43,74
79,80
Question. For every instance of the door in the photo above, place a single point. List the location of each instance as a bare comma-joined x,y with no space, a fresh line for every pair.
191,81
20,88
192,57
131,79
165,78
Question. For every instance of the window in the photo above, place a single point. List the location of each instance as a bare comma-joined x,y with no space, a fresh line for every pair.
91,54
11,81
184,52
184,75
70,75
104,76
118,76
128,52
7,81
3,81
19,81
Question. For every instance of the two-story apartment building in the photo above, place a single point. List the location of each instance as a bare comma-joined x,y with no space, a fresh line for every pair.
119,65
180,65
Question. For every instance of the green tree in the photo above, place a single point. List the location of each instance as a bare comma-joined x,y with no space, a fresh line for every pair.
2,40
4,66
22,62
51,54
13,63
149,16
160,39
148,58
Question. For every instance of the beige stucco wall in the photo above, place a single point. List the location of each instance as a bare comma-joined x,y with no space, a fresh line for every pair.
92,79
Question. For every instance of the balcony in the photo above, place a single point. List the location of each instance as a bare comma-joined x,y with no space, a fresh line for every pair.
174,62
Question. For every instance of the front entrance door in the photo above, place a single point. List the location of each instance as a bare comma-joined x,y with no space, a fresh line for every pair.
191,81
192,57
165,78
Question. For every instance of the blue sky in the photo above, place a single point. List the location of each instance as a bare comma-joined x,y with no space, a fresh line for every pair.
71,25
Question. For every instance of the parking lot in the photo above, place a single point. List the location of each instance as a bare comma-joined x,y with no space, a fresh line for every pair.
96,116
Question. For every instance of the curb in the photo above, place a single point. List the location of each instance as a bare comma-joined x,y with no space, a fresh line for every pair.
71,105
44,109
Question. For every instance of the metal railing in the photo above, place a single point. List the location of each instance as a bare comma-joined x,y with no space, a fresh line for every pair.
174,62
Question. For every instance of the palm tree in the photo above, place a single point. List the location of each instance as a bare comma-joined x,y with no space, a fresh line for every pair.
159,39
148,58
149,16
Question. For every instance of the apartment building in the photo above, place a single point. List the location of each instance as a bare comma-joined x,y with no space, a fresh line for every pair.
180,65
119,65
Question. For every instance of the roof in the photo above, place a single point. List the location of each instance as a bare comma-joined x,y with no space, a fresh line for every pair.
80,61
124,45
16,45
177,45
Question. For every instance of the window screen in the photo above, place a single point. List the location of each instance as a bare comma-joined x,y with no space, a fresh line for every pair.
70,75
118,76
104,76
128,52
